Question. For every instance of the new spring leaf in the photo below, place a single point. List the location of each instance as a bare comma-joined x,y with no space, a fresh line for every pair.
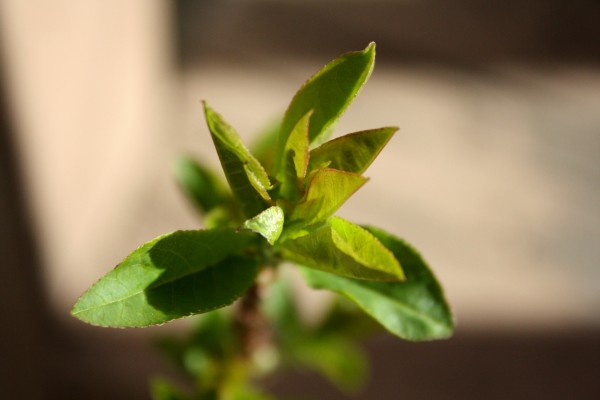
172,276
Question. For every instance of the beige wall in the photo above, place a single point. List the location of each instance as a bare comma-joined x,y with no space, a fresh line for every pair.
91,83
491,175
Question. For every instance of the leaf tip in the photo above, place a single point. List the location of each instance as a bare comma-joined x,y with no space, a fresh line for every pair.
370,48
269,224
73,311
207,109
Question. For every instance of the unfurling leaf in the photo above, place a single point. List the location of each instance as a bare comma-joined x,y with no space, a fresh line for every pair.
344,249
295,160
326,191
329,92
268,223
414,310
247,178
172,276
353,152
263,147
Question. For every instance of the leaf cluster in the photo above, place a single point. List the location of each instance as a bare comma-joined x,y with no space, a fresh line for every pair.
279,206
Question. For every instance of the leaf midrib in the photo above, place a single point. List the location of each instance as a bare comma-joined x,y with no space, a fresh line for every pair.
156,284
410,310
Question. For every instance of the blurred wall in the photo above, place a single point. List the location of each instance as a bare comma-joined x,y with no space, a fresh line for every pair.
496,105
91,85
86,93
494,173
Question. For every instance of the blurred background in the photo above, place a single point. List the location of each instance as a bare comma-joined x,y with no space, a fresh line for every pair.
494,175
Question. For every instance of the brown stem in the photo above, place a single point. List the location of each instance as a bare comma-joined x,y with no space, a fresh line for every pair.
251,324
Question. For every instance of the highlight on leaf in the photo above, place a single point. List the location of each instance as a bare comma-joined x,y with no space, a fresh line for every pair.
326,191
247,178
268,223
412,310
343,248
139,291
295,159
353,152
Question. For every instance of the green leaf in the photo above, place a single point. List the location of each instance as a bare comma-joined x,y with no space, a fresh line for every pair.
268,223
163,390
172,276
244,391
345,249
222,216
295,155
346,319
327,190
328,351
414,310
280,308
211,342
329,92
336,358
199,184
246,176
215,333
263,146
353,152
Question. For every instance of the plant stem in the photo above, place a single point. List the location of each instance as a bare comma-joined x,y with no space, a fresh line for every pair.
251,324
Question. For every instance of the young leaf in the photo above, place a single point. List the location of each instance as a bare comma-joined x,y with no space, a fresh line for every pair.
268,223
247,178
295,161
329,92
262,148
172,276
353,152
327,190
199,184
412,310
344,249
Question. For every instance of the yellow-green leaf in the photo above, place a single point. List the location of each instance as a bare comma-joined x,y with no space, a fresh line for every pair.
345,249
414,310
268,223
247,178
263,147
327,190
329,92
353,152
295,160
